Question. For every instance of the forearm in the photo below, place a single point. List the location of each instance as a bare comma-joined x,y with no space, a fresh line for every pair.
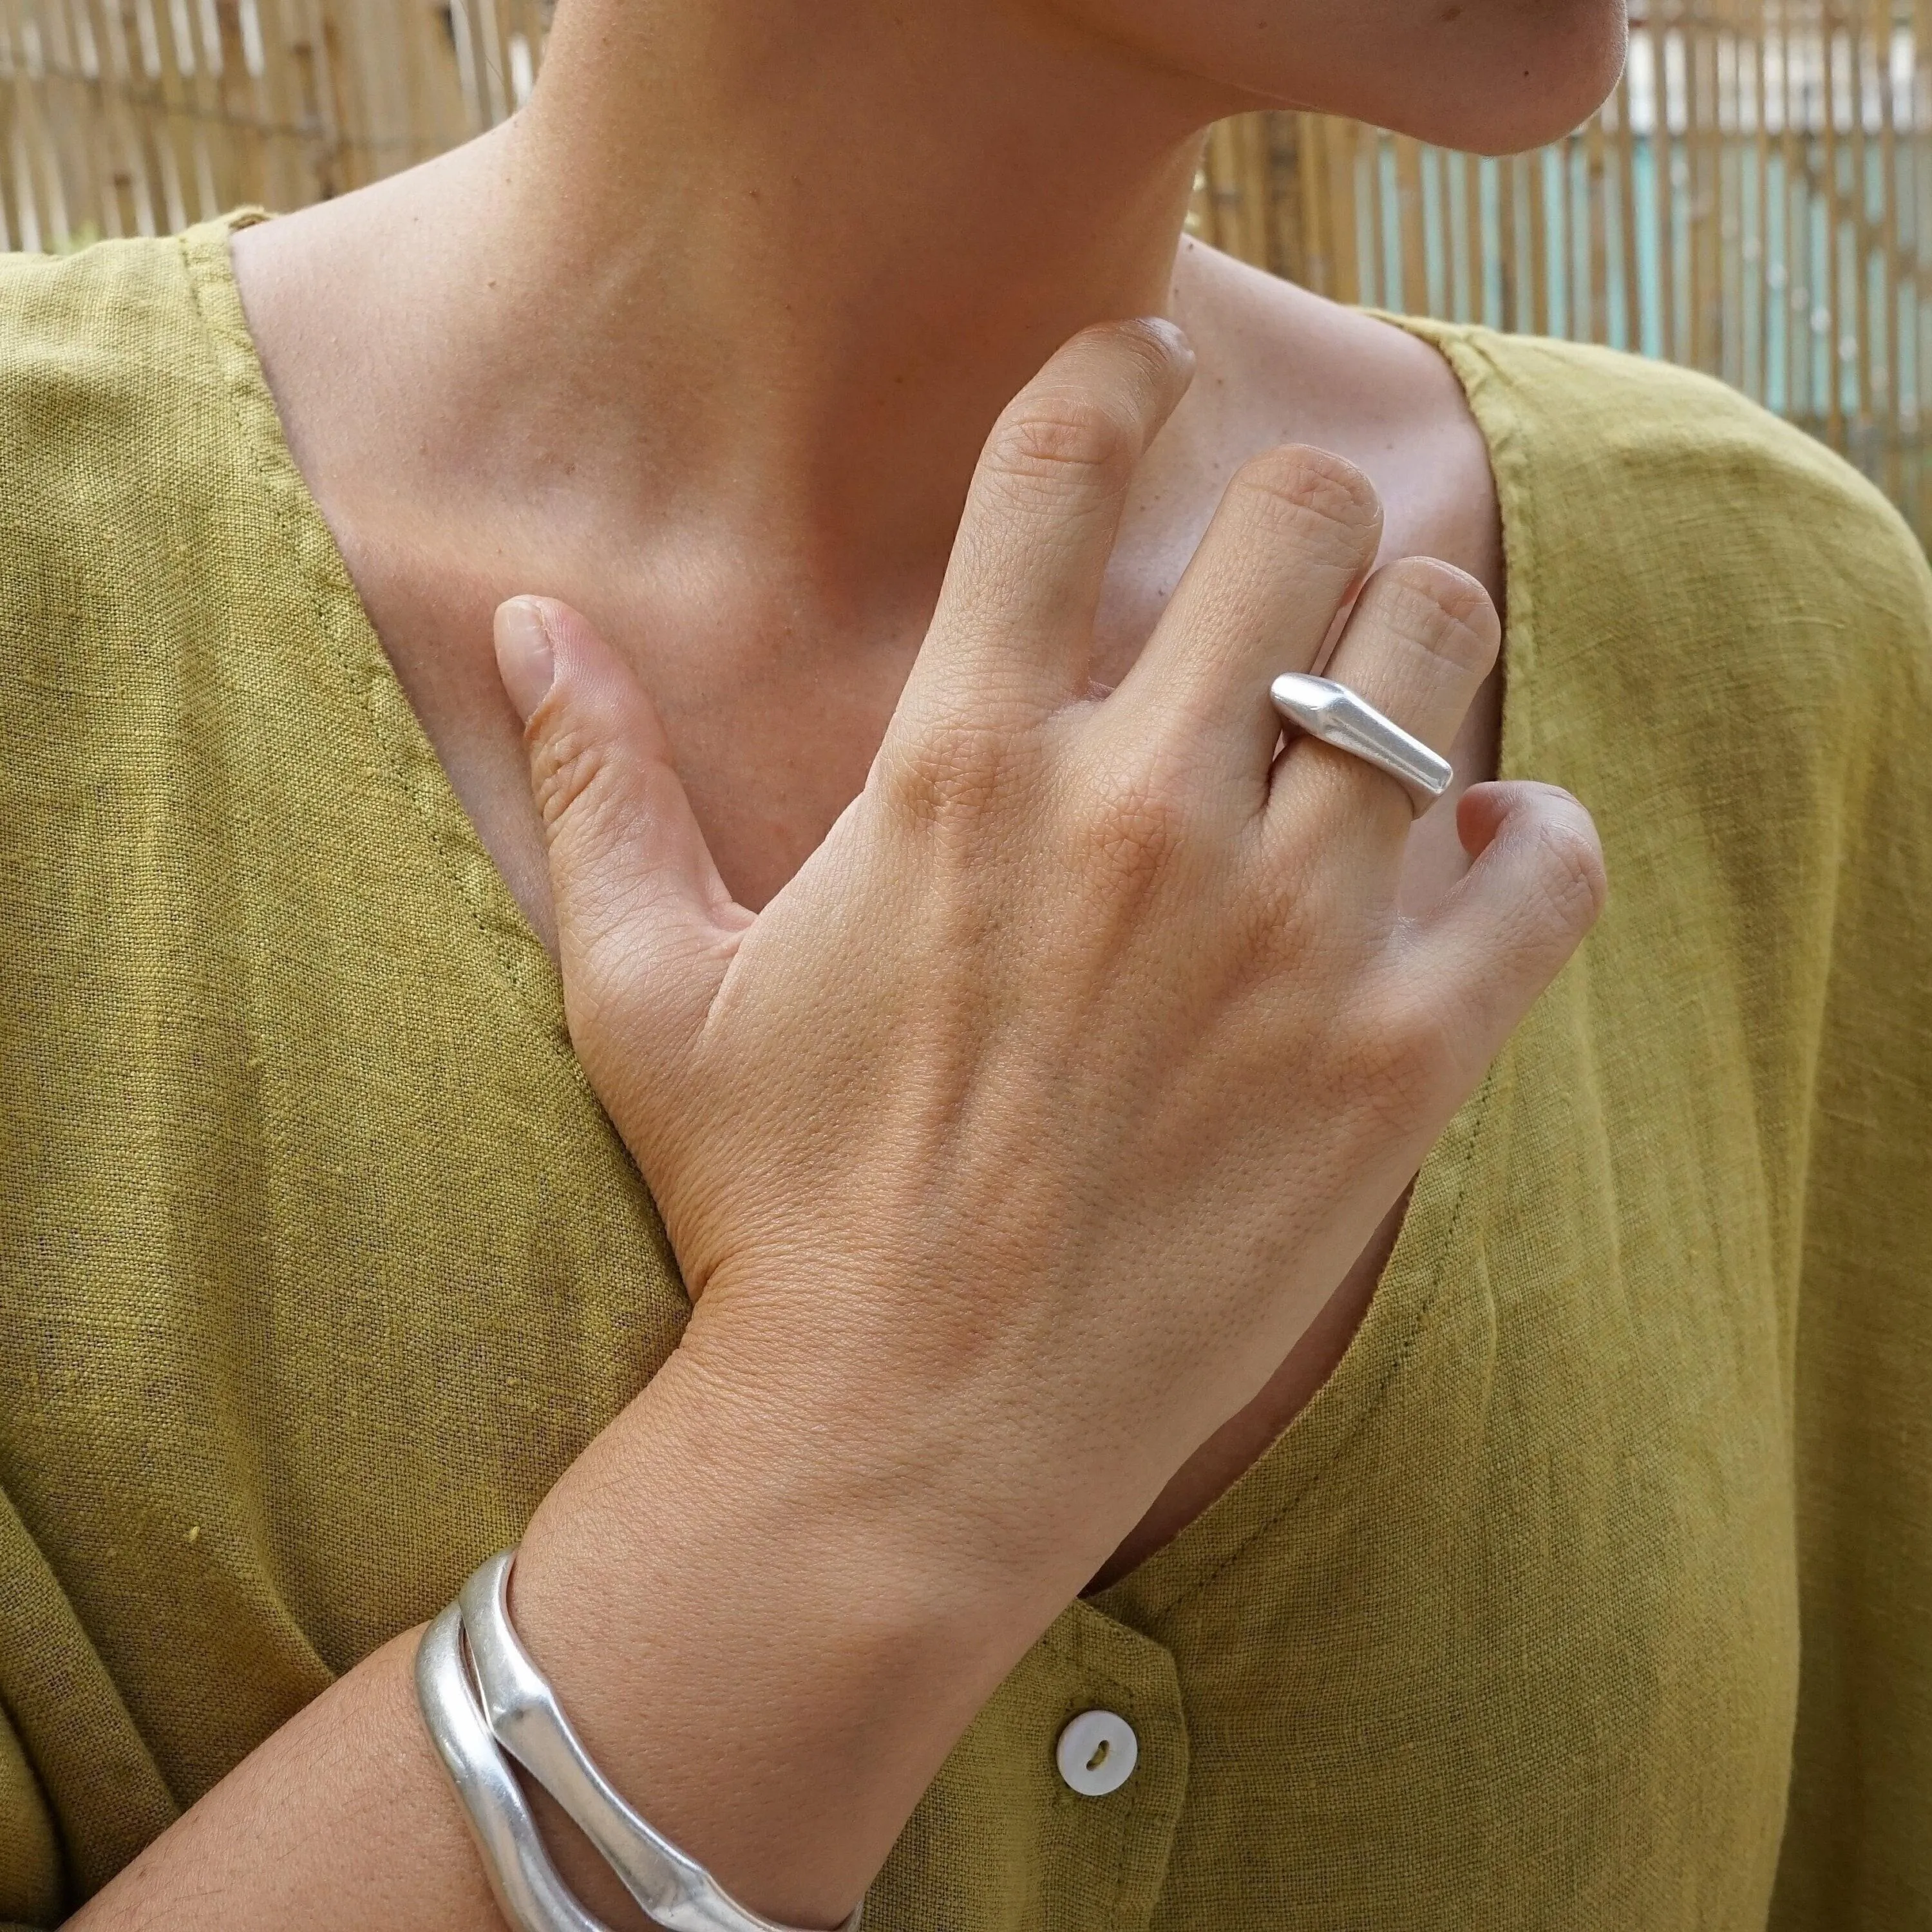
343,1817
766,1671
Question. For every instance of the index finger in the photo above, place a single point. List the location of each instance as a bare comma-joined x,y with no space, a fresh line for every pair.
1015,617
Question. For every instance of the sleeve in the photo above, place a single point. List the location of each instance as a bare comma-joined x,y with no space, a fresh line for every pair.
1857,1852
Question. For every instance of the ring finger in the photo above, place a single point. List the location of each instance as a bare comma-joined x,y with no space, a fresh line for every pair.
1422,638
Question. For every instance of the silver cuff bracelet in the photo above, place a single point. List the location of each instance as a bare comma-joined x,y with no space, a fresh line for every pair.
508,1704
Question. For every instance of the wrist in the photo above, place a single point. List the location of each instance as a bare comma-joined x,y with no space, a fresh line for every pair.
757,1626
974,1462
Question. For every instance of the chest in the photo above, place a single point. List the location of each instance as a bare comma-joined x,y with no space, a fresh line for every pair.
775,694
1523,1567
334,1264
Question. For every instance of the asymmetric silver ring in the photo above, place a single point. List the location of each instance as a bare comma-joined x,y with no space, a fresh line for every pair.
1338,716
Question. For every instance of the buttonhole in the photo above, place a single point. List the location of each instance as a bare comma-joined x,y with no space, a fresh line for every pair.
1099,1756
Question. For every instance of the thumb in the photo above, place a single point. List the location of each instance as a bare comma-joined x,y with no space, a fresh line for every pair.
1533,891
645,926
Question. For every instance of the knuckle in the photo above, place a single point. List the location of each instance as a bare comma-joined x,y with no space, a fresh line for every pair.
1442,609
1145,355
1404,1063
1134,820
1061,441
1570,872
1313,498
570,766
953,768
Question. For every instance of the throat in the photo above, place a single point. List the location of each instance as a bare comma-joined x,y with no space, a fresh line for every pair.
773,726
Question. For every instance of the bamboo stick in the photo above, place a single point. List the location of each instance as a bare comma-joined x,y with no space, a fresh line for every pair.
1784,239
1833,294
1596,200
1803,299
1888,384
1762,291
1509,257
1254,180
1287,241
1623,106
1912,216
1732,242
1221,168
1706,209
1407,213
1318,206
1535,197
1461,236
1339,139
1663,163
1858,336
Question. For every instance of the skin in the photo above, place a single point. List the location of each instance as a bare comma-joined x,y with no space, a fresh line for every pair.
705,347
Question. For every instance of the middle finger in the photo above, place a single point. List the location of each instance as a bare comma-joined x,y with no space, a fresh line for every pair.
1294,539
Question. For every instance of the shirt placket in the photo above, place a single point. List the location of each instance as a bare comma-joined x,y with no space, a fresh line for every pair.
1118,1704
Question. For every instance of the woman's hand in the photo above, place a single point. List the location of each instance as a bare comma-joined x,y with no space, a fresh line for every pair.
1012,1147
1009,1149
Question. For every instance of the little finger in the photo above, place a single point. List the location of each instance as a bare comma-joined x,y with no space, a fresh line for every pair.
1535,886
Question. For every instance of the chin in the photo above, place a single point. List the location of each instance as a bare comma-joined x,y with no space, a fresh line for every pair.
1493,75
1515,90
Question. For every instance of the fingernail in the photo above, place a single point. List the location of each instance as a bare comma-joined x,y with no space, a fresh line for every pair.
524,658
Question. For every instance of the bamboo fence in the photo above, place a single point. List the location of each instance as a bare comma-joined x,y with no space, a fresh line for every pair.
1754,199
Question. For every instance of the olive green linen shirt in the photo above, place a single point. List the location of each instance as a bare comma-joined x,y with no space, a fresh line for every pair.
1594,1591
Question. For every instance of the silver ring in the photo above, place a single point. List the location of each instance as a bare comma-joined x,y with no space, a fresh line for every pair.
1339,716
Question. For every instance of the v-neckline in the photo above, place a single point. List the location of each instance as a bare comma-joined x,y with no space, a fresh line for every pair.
528,971
1294,1462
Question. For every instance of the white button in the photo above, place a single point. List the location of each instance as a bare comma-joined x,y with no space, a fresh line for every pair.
1097,1753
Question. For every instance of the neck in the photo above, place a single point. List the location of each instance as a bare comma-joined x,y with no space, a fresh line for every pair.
773,268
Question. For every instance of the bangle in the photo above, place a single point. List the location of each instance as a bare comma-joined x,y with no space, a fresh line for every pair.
529,1892
509,1704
